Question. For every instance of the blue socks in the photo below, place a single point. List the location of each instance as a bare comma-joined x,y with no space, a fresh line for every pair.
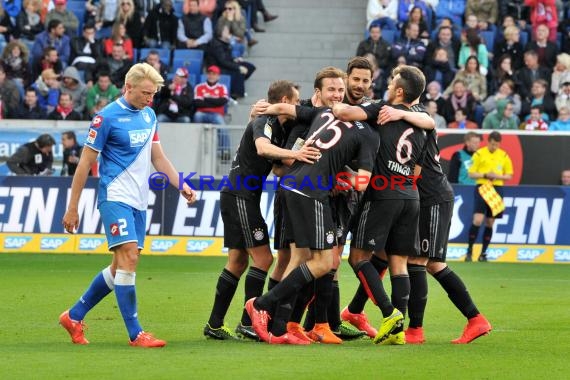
127,301
101,285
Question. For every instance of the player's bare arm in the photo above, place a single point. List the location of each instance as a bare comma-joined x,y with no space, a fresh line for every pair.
306,154
258,108
345,112
419,119
281,109
71,218
163,164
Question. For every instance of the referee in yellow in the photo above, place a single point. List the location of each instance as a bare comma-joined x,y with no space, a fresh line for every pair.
494,164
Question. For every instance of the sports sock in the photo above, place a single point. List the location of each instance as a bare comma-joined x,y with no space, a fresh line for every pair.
356,306
457,292
418,294
370,280
102,284
400,292
304,300
487,235
323,296
282,315
310,306
291,284
473,232
271,283
333,311
254,283
225,290
127,300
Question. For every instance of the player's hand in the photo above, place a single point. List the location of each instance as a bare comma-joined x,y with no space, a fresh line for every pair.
70,221
259,107
308,154
388,114
188,193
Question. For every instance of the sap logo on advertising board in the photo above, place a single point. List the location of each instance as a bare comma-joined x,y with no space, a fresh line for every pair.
455,252
89,244
198,245
526,254
52,243
495,253
562,255
16,242
162,245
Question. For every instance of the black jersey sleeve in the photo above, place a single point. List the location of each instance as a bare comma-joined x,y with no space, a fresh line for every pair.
305,114
261,128
369,144
372,109
297,135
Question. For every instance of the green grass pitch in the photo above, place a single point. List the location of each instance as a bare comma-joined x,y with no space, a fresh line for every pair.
528,306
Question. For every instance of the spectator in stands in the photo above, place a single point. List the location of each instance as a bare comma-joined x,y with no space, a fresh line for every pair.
473,46
416,16
33,158
232,20
72,84
459,98
68,18
487,12
93,13
258,6
471,75
47,88
160,26
506,91
71,153
504,71
49,60
439,68
378,86
144,7
12,8
461,121
452,9
210,98
108,13
28,22
86,50
153,59
195,29
543,13
383,13
6,26
15,59
9,94
540,96
119,37
565,177
446,41
535,122
431,108
530,72
563,96
433,92
117,65
545,49
517,10
471,22
30,109
509,46
462,160
131,18
176,99
64,109
54,36
377,46
220,54
410,47
561,73
501,118
405,6
563,121
103,89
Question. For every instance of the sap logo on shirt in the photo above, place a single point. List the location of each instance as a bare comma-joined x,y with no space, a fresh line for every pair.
16,242
162,245
562,255
529,254
198,245
52,243
90,244
139,137
495,253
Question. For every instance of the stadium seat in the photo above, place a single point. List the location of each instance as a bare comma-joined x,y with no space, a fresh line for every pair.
523,38
192,59
389,35
178,8
164,54
488,38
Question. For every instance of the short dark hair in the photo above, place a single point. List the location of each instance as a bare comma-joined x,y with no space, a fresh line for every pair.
70,135
374,26
279,89
45,140
495,136
411,80
54,23
470,135
328,72
359,63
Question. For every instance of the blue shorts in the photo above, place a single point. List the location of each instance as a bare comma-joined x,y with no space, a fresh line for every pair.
123,224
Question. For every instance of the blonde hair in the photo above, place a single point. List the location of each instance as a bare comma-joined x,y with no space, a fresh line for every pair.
564,59
123,16
328,72
237,7
142,71
510,31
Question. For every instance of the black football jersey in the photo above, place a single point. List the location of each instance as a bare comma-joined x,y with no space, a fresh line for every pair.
433,185
401,145
249,169
339,142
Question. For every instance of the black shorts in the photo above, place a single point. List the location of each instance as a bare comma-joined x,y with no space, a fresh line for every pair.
341,216
435,222
244,227
390,224
309,222
480,206
280,241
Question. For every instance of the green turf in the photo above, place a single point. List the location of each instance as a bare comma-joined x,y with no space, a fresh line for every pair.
528,306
